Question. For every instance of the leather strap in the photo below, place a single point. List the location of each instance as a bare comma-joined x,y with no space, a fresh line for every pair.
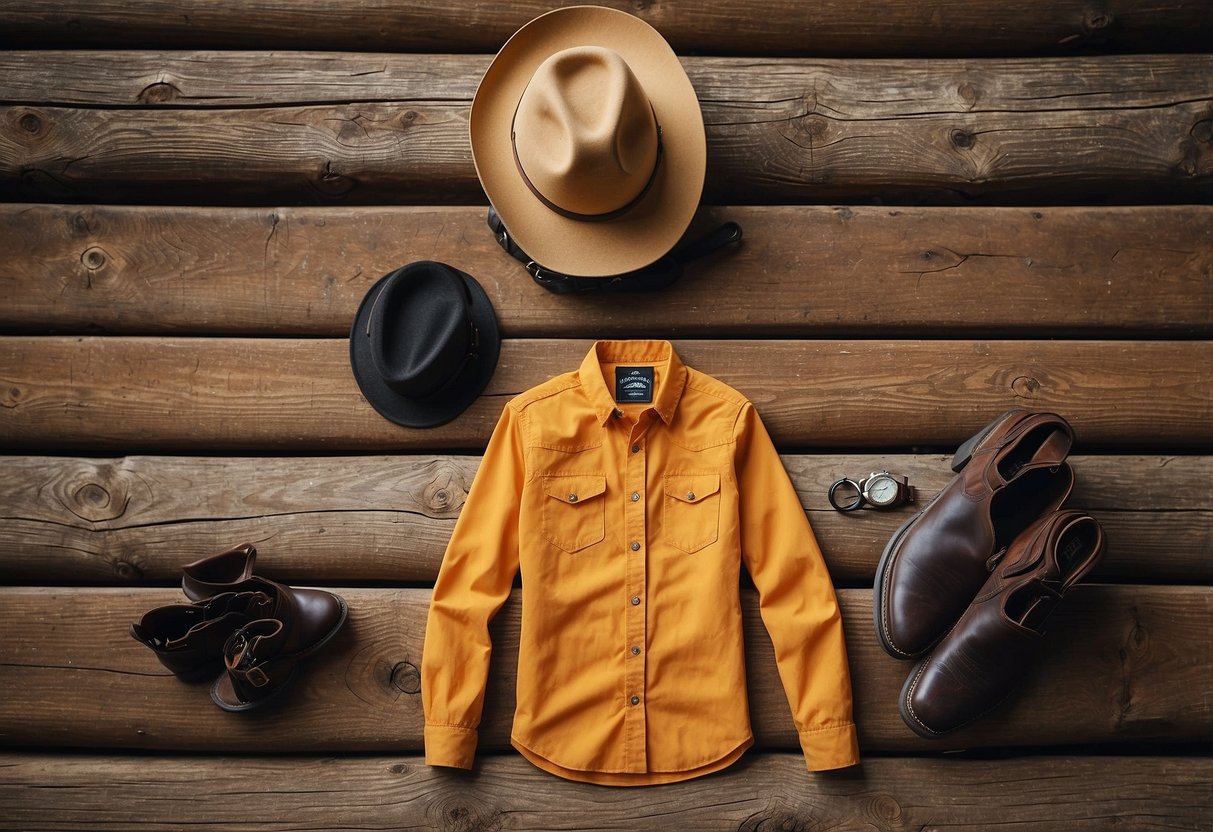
658,275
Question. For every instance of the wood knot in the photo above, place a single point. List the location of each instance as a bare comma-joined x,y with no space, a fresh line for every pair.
11,397
332,183
94,493
1025,387
444,492
456,813
93,258
30,123
406,678
962,139
127,570
1202,131
1036,215
815,127
886,808
1094,21
158,93
78,224
400,768
409,117
843,213
967,93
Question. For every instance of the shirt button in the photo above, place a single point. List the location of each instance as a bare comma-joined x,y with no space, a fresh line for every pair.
635,651
691,496
618,414
635,496
635,700
572,498
635,546
636,448
635,600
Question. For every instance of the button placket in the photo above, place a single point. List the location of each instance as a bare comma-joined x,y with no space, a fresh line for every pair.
636,605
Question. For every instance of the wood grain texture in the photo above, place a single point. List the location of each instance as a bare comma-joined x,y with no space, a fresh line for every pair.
868,27
760,792
920,272
227,394
352,520
1107,129
1124,664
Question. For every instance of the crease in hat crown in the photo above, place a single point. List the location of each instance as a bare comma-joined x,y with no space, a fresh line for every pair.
585,135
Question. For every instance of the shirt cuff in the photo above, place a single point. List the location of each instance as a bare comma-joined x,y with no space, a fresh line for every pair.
449,745
827,748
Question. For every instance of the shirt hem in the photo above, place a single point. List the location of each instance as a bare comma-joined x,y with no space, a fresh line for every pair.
621,778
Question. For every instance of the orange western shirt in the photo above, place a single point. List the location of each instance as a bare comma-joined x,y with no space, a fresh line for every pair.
629,521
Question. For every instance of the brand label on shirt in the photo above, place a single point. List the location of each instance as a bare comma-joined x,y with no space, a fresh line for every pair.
634,384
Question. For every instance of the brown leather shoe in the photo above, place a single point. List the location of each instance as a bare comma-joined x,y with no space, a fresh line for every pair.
188,639
999,636
258,669
1010,473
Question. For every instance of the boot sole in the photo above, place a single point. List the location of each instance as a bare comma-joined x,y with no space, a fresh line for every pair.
255,703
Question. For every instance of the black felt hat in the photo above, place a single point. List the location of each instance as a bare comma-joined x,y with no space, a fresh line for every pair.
424,344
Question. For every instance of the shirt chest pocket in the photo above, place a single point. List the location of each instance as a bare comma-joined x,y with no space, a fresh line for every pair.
574,510
692,510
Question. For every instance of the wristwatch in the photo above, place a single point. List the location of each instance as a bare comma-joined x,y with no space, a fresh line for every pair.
878,490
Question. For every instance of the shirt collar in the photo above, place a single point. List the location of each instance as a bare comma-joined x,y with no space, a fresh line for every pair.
660,354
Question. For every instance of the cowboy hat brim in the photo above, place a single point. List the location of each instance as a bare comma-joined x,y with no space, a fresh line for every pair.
647,231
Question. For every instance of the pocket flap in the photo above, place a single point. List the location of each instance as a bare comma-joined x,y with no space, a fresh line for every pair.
691,488
574,489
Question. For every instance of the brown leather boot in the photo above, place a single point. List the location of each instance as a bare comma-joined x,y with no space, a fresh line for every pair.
188,639
999,636
311,616
257,668
1010,473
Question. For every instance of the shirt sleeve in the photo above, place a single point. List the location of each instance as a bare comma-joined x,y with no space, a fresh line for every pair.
475,579
796,599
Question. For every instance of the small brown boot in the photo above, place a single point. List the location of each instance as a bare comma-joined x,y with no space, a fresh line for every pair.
188,639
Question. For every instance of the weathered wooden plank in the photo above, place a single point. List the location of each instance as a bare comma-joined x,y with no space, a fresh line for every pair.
349,520
906,88
868,27
130,394
1091,130
920,271
1067,794
1125,663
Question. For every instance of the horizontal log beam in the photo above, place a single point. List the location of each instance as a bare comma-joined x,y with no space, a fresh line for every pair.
1124,664
868,27
920,272
1108,129
129,394
351,520
1068,794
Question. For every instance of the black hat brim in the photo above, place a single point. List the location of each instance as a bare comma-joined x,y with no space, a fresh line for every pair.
455,397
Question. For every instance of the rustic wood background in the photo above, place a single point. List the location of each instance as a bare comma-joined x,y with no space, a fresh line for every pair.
949,209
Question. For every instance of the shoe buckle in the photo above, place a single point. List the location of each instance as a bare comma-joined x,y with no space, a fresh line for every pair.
256,677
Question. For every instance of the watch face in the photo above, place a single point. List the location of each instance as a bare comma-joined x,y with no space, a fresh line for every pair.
882,490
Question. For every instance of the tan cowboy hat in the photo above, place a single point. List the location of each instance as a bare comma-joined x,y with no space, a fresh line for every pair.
588,140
